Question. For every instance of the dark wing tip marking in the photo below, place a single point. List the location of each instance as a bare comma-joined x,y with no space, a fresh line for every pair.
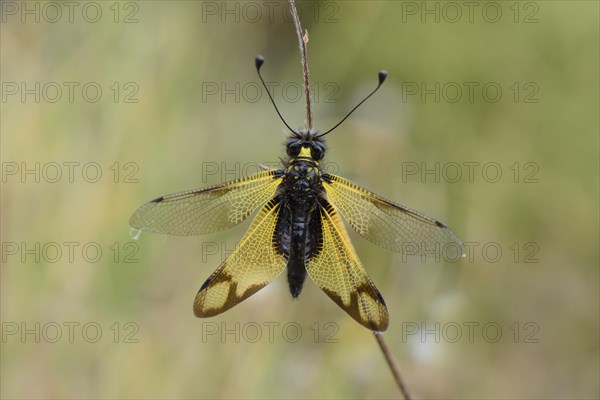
205,284
158,199
441,225
380,298
378,327
200,309
353,308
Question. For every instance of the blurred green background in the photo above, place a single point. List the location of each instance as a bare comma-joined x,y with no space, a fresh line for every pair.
179,109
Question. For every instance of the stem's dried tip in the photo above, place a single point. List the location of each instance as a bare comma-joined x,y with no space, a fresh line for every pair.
302,41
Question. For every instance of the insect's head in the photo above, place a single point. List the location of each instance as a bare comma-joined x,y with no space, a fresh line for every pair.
307,139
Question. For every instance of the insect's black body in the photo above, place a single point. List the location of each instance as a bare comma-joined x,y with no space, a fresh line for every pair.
298,232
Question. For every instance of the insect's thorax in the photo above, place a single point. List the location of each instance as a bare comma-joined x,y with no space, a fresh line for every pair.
302,181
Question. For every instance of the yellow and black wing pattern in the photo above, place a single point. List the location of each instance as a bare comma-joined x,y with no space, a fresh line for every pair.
256,260
298,226
336,269
253,265
196,212
390,225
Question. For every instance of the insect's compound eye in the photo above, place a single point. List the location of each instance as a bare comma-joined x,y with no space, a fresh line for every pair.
293,149
316,153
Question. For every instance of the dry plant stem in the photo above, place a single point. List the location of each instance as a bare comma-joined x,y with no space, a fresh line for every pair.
393,366
302,40
304,59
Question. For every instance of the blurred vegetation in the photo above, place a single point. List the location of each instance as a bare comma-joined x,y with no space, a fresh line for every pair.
177,131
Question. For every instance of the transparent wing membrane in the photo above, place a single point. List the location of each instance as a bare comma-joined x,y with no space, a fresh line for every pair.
196,212
390,225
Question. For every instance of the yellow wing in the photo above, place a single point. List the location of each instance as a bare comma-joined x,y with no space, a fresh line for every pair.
196,212
252,266
388,224
337,270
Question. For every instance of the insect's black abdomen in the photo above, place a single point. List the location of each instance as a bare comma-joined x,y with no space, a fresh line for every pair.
297,237
298,233
288,236
296,272
296,263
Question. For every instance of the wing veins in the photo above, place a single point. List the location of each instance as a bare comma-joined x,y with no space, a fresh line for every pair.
385,223
245,271
339,273
211,209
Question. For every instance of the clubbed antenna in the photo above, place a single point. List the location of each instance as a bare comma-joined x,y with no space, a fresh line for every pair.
381,76
259,61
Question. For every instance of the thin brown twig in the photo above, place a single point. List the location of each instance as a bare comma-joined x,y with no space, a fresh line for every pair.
302,40
393,366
